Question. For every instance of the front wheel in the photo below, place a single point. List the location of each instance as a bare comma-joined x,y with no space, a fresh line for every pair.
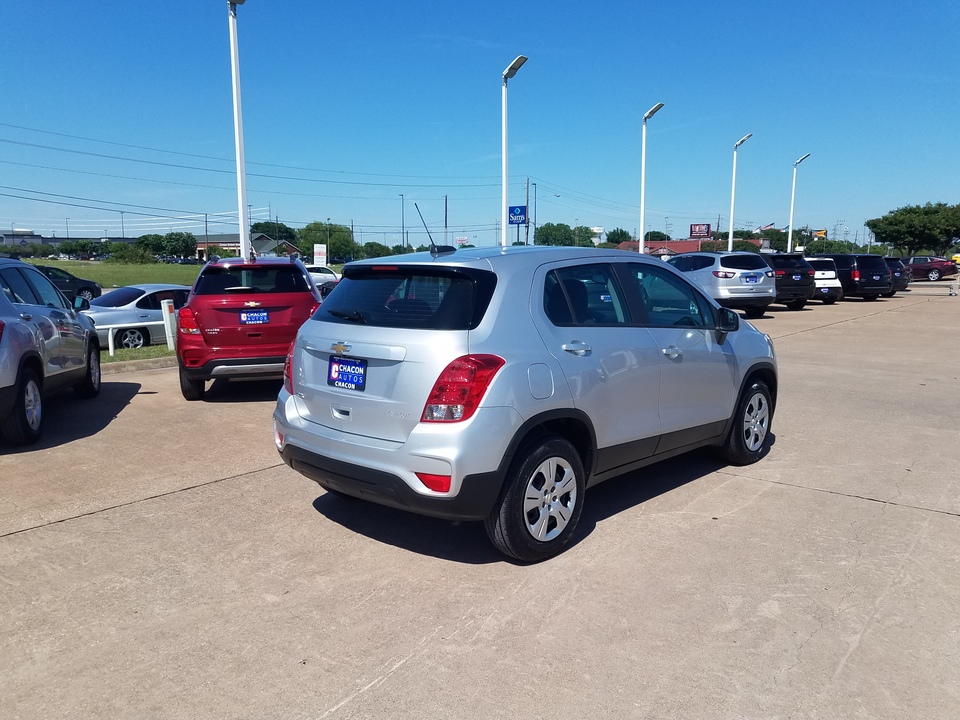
85,293
191,389
750,426
870,298
755,312
829,301
24,424
131,338
796,304
889,294
90,387
934,275
541,503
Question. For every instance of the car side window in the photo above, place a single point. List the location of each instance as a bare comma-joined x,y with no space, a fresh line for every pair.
584,295
46,291
669,300
16,287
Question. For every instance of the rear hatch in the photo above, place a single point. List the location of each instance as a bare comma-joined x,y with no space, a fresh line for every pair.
751,275
795,276
368,359
874,276
252,306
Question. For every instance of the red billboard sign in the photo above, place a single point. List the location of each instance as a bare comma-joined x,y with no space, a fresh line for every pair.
700,230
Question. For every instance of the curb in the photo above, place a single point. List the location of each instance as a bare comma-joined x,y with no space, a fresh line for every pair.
126,366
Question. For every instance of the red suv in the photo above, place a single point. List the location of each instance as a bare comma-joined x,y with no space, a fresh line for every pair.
240,319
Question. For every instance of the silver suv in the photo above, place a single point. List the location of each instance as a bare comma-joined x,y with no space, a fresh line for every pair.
498,384
45,346
739,280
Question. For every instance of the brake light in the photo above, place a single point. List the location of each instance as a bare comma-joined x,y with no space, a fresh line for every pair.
811,272
855,275
781,273
461,386
288,370
187,322
437,483
724,274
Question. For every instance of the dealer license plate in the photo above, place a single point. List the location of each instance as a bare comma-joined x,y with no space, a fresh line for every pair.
254,317
347,373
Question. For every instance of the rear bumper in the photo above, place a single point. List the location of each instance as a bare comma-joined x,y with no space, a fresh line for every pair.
828,293
236,368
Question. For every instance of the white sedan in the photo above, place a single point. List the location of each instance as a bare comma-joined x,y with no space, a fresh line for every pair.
321,273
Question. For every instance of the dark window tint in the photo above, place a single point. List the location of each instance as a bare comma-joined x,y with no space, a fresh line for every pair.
743,262
117,298
667,299
251,279
584,295
690,263
871,262
46,291
822,264
782,262
16,287
409,297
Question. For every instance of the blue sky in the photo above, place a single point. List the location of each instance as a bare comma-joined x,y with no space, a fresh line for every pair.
120,112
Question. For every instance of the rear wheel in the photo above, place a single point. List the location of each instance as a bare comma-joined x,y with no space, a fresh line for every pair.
132,338
889,294
90,387
190,388
754,312
85,293
750,428
541,503
934,275
23,425
796,304
870,298
829,301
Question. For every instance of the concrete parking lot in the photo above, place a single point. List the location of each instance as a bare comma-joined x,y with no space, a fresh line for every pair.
157,560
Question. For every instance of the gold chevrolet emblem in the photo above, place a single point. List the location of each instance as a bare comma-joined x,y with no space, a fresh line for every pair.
251,303
340,347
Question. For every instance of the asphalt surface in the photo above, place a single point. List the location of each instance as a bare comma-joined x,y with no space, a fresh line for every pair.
157,560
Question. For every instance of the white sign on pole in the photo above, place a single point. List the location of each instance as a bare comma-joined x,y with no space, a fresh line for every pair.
319,254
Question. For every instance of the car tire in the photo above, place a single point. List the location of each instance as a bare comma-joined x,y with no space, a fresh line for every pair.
131,338
540,506
889,294
25,423
829,301
85,293
934,275
90,387
796,304
755,312
870,298
190,388
750,426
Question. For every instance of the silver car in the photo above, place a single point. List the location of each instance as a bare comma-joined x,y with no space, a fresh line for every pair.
45,346
739,280
132,313
499,384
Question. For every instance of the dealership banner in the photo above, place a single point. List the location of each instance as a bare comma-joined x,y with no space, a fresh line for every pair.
700,230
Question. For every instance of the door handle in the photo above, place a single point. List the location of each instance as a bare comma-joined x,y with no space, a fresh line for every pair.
672,352
26,316
576,347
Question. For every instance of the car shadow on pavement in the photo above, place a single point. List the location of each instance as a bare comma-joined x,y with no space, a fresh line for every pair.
238,391
466,542
67,418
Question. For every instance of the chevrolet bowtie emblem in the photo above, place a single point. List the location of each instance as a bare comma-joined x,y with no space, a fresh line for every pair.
340,347
251,303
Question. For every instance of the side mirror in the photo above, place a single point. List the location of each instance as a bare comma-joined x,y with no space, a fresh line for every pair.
81,303
728,321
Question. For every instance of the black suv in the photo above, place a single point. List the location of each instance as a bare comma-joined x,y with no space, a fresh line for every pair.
900,275
795,278
865,276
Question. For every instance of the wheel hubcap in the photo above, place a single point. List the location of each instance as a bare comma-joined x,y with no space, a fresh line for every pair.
756,422
33,409
550,498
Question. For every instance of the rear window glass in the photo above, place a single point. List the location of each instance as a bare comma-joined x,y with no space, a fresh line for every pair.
743,262
823,264
787,261
409,297
251,279
691,263
871,262
117,298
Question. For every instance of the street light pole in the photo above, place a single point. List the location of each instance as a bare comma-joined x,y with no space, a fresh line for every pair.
507,74
242,216
733,188
403,226
643,173
793,192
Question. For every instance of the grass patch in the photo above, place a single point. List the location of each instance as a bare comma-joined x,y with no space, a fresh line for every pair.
145,353
111,275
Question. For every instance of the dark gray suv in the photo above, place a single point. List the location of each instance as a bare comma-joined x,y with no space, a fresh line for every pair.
45,345
499,384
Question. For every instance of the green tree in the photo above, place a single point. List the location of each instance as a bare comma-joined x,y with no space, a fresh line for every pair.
554,234
375,250
915,228
180,244
276,230
617,236
655,236
583,236
151,243
337,238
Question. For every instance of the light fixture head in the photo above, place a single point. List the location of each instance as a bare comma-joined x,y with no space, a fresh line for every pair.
802,159
652,111
742,140
514,66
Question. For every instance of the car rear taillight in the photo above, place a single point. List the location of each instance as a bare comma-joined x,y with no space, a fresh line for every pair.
770,273
781,273
288,370
855,275
187,322
437,483
811,272
724,274
457,392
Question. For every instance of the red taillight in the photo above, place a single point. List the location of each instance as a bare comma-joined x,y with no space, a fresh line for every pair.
460,387
724,274
437,483
288,370
781,273
811,272
855,275
187,322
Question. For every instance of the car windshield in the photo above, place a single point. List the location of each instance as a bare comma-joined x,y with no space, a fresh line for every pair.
117,298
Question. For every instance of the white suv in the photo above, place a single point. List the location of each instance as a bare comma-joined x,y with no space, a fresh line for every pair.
45,345
499,384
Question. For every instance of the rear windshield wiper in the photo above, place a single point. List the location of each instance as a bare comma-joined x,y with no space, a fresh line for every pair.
353,316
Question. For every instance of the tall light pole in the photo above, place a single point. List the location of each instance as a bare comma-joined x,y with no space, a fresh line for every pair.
242,216
123,233
507,74
403,227
793,192
643,174
68,227
733,188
